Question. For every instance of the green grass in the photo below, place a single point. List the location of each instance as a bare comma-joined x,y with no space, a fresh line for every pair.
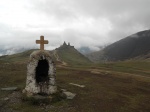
118,87
135,67
73,57
19,57
69,55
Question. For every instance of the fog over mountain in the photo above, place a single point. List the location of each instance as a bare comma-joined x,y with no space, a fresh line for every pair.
83,23
134,46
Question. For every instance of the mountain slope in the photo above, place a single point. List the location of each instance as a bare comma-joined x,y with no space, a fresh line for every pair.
130,47
19,57
70,55
66,53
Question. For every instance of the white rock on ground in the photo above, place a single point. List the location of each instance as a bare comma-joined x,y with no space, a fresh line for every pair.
9,89
69,95
82,86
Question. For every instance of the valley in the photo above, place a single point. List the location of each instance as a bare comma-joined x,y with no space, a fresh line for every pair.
109,87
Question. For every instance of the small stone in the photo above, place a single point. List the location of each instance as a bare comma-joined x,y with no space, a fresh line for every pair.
69,95
24,91
5,99
29,94
9,89
82,86
64,90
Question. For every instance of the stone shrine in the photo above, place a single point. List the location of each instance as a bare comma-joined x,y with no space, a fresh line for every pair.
41,72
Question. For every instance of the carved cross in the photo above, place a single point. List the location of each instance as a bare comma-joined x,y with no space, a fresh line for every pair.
41,42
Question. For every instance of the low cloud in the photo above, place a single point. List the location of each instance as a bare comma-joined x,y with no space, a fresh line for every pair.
80,22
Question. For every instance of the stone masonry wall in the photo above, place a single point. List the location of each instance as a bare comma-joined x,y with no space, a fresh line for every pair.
32,86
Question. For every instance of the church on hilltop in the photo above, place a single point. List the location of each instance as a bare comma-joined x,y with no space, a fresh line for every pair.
65,45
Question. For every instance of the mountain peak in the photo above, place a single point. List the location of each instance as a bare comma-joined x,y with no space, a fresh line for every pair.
135,45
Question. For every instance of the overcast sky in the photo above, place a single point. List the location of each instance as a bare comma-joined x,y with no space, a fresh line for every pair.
91,23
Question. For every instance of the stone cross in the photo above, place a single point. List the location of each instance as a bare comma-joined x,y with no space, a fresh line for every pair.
41,42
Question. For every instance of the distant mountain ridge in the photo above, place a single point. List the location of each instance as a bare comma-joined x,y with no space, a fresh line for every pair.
130,47
65,53
85,50
10,51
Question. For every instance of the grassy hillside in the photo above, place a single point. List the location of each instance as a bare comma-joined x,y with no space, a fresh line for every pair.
67,54
19,57
138,67
72,56
130,47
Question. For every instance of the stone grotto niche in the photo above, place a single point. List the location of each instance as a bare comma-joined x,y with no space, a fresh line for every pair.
41,74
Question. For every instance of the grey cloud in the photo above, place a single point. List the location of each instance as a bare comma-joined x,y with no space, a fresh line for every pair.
137,10
59,9
79,22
